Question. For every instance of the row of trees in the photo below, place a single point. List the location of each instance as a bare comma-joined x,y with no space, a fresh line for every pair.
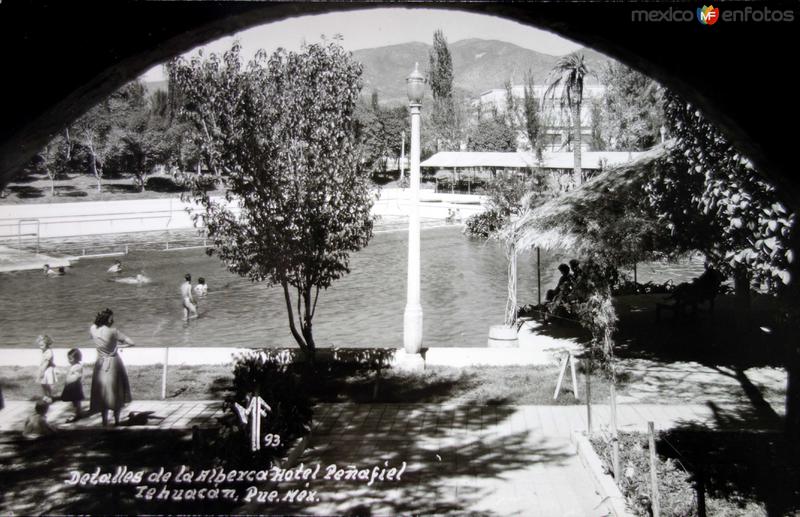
127,133
133,133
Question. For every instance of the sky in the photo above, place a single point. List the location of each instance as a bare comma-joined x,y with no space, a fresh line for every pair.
385,26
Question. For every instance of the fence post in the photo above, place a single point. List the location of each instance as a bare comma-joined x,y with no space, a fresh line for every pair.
614,434
126,249
164,374
589,397
653,474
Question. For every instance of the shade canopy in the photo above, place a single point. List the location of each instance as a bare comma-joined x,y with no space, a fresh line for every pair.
600,216
523,160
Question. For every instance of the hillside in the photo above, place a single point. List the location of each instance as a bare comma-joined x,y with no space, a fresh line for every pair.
478,65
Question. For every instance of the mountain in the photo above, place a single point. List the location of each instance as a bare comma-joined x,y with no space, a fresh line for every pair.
478,65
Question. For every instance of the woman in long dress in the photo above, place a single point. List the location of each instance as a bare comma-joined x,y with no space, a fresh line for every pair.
110,386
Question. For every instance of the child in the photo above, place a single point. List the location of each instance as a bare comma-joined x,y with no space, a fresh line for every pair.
201,289
37,425
116,267
73,387
47,368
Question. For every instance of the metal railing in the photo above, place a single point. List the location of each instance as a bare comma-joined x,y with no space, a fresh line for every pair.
19,235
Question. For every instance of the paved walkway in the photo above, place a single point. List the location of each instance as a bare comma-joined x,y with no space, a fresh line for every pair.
504,460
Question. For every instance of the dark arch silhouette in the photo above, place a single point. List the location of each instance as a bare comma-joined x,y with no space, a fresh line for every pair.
62,57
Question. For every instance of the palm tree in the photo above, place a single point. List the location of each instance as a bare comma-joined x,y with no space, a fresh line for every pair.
568,75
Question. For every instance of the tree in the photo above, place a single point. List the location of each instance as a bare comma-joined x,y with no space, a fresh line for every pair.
713,201
379,132
512,109
534,127
280,135
597,141
567,79
99,128
631,109
494,135
440,77
138,148
711,198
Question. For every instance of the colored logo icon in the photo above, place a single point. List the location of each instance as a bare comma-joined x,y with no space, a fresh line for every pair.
707,15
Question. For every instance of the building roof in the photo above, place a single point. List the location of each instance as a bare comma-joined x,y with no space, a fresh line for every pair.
589,159
524,160
479,159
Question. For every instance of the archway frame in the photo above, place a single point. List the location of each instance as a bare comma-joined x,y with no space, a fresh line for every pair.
42,44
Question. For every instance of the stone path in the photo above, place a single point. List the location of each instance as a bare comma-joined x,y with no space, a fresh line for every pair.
503,460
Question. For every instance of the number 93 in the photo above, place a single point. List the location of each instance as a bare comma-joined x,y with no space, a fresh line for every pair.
272,440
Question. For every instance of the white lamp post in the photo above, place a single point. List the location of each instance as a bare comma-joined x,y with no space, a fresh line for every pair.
412,318
402,155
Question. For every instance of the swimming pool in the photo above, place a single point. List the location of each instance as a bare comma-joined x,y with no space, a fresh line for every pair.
463,293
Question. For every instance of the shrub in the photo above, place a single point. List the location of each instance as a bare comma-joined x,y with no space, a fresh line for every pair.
676,494
282,388
162,184
483,224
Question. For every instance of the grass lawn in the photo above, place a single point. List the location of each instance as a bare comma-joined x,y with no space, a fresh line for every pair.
36,188
476,385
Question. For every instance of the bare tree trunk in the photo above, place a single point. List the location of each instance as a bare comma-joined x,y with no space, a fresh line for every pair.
511,301
791,295
306,327
93,166
297,337
741,286
576,142
793,389
68,142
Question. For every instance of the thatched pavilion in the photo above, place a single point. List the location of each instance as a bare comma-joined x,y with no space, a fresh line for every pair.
600,218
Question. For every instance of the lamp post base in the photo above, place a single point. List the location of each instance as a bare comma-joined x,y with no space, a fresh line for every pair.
406,362
412,329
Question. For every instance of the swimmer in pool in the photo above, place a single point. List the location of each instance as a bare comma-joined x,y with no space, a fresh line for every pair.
54,272
116,268
201,289
134,280
189,304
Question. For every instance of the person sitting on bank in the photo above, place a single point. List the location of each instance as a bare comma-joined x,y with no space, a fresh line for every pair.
564,283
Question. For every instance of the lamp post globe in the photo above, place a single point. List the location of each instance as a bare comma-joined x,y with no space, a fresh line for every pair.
415,86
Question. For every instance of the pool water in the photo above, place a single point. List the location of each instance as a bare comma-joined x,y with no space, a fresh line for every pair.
463,293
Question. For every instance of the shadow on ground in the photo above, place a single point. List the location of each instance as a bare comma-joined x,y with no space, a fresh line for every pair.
35,472
451,465
117,188
725,337
738,466
25,191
